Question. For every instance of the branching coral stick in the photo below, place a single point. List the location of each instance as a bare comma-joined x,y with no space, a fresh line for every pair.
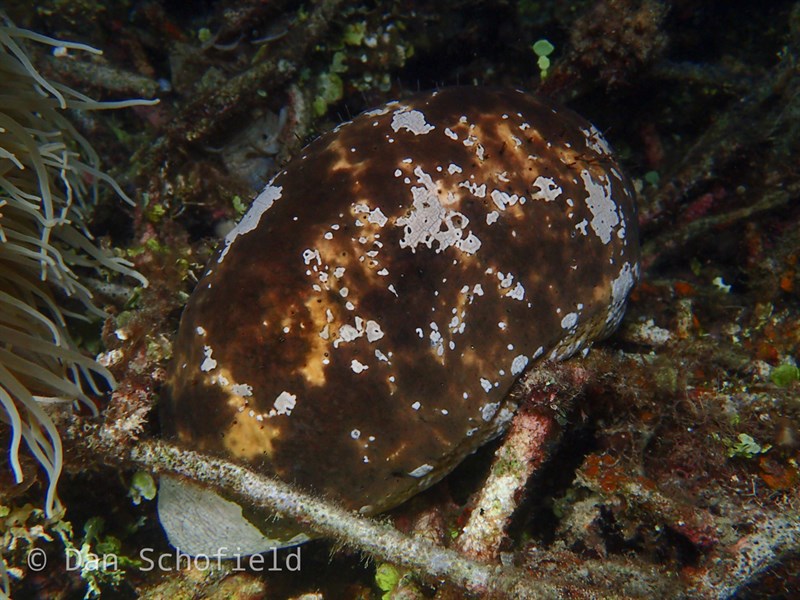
326,519
773,538
523,451
731,567
211,112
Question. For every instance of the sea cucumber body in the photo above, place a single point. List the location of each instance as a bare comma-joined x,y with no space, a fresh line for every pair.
359,331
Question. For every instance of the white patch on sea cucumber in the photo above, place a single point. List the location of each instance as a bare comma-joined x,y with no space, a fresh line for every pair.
252,217
411,120
242,389
518,364
486,385
348,333
311,255
374,331
492,217
548,190
470,245
436,339
603,208
506,279
200,331
421,471
620,287
489,410
454,168
208,363
377,112
357,366
503,199
416,406
285,403
377,217
569,321
479,191
518,293
430,222
596,141
355,434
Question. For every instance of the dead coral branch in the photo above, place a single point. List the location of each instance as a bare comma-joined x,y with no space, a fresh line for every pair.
327,519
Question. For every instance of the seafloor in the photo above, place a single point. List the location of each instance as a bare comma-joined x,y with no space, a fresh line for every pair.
675,469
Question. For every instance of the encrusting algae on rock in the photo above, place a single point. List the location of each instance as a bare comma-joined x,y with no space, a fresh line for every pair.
360,329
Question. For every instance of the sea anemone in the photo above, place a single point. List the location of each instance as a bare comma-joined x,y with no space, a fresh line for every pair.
49,177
